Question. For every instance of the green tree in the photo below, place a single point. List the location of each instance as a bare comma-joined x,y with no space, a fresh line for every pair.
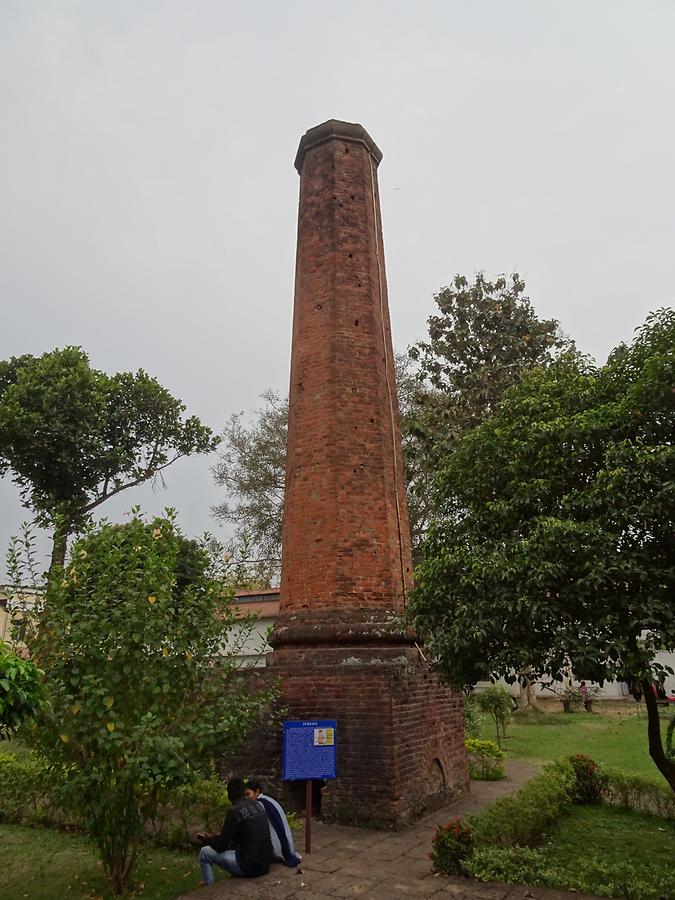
482,340
142,694
485,336
72,436
251,467
22,693
554,539
422,416
496,701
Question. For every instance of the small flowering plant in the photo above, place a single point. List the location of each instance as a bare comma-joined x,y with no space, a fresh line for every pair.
571,697
452,846
590,780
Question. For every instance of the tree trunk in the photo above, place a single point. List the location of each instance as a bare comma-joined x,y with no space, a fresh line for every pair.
527,695
59,546
665,766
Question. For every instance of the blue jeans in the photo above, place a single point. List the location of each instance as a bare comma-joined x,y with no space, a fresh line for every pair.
226,860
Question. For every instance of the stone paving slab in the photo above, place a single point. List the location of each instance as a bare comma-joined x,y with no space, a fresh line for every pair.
380,865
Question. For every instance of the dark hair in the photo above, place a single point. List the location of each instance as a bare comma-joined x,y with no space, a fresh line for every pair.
254,785
235,789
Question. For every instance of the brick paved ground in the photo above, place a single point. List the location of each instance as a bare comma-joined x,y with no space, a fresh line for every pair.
379,865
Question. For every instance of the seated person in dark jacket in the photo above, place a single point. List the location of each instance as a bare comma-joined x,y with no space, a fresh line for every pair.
243,847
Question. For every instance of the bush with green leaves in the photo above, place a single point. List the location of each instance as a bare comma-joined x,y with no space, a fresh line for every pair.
131,638
497,702
593,875
508,865
522,818
589,779
473,719
27,789
203,801
22,692
25,782
452,847
642,795
486,760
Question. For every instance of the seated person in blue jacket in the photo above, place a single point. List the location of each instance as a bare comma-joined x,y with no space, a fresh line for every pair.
280,831
243,847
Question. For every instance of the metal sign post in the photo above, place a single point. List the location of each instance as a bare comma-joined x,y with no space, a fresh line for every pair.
310,753
308,815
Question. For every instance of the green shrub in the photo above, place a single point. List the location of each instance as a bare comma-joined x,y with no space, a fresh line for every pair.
452,846
592,875
508,865
26,796
590,780
639,794
200,805
486,760
473,720
22,692
25,783
524,817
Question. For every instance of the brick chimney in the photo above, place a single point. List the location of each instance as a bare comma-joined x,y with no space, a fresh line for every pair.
346,557
340,650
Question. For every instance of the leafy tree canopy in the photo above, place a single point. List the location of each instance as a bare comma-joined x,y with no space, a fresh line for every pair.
252,469
73,436
554,539
484,337
22,692
482,340
131,638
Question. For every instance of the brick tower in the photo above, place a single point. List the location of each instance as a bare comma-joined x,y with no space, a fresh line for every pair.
339,646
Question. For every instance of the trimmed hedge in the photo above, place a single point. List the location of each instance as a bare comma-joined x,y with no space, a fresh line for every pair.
638,793
518,820
524,817
508,865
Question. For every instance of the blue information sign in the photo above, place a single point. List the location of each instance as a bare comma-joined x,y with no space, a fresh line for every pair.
310,750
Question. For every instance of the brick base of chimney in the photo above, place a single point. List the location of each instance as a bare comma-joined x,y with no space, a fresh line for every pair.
400,734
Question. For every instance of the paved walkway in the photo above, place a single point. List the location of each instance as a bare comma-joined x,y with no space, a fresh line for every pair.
379,865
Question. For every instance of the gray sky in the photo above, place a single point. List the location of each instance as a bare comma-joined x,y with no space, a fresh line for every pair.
148,196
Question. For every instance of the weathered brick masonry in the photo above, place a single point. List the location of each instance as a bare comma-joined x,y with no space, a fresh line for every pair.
346,564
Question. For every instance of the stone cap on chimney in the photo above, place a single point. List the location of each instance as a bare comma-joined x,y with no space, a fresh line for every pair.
334,129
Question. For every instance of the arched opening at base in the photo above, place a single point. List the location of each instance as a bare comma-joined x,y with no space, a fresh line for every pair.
436,777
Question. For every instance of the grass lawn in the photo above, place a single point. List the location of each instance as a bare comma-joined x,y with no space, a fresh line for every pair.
600,850
619,742
40,864
613,853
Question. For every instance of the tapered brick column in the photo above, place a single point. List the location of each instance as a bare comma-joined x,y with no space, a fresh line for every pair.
346,541
339,645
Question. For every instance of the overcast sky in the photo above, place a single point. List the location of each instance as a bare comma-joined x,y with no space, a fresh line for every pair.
148,198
